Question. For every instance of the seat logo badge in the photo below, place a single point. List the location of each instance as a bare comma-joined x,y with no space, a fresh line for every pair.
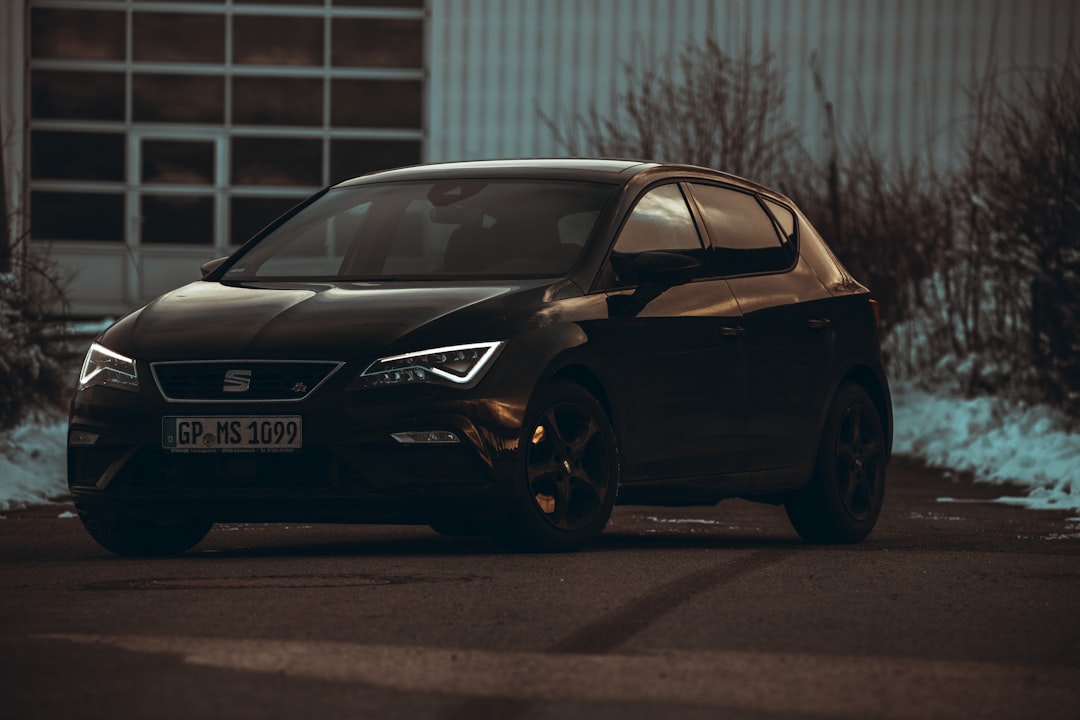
237,381
299,388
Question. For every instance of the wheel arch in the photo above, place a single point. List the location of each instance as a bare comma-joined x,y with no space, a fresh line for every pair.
581,374
877,388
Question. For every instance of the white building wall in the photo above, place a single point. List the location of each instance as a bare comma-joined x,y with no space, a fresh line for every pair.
898,69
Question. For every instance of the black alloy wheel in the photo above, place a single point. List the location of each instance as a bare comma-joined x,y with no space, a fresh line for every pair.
570,471
843,501
142,536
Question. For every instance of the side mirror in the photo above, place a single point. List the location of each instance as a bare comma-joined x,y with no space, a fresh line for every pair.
654,272
211,265
657,268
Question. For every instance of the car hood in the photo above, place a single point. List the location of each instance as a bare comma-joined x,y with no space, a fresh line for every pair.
340,321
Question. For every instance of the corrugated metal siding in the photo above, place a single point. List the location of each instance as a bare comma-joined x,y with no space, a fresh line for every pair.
899,69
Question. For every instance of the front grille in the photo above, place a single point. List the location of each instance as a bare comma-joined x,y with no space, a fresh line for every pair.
241,380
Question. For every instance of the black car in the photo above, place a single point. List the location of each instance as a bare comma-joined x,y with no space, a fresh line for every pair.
505,347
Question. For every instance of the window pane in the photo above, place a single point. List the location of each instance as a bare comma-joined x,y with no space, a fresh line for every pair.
270,40
735,219
179,37
178,98
76,34
178,219
178,161
250,215
76,156
660,221
277,101
373,42
376,103
72,95
349,158
785,217
276,161
744,239
76,216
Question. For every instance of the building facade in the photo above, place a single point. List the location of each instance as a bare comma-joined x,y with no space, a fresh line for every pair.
143,137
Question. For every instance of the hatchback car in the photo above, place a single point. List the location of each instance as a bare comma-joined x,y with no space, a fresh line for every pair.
505,347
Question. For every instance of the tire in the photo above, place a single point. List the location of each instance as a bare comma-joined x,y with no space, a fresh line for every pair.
138,536
843,500
567,472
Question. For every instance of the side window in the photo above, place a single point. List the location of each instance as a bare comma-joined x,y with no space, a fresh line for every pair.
785,218
661,220
743,237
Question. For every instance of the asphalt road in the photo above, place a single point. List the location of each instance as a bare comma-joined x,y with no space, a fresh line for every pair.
953,610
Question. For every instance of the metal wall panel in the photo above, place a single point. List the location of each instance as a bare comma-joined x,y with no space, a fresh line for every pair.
897,70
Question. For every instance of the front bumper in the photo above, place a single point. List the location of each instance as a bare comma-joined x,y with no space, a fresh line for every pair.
350,468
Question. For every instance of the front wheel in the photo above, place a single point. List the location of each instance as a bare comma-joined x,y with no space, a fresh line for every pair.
568,472
138,536
842,502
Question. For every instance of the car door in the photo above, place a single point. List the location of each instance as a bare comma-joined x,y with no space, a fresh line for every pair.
678,352
787,316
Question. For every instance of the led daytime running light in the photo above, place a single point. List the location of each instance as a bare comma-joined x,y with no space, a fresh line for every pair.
434,365
102,366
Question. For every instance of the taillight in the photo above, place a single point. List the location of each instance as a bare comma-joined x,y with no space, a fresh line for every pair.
877,313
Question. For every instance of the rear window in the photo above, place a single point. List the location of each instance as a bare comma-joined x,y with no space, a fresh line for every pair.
447,229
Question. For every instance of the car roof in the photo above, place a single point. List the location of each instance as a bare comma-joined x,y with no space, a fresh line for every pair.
613,171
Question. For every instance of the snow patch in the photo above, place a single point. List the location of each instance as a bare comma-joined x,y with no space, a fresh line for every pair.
33,463
997,441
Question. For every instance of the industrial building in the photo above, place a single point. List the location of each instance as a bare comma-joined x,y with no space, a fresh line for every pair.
143,137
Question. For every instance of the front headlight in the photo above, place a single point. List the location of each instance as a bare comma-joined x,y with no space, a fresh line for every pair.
102,366
453,365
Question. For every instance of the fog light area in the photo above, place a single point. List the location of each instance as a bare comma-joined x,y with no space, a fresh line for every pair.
426,437
81,437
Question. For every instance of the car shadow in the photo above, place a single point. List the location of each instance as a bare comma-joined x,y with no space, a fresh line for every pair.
421,542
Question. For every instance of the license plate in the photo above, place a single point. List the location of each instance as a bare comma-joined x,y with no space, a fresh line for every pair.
264,433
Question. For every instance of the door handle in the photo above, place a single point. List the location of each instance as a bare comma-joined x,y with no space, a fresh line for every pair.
818,323
732,331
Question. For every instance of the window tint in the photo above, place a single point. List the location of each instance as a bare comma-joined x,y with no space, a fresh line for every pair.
76,34
277,101
76,216
660,221
376,103
452,228
177,98
76,156
349,158
743,237
76,95
276,161
178,37
277,40
177,219
377,42
186,162
249,215
785,218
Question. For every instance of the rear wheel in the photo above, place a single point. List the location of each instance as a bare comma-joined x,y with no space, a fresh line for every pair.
139,536
843,501
568,472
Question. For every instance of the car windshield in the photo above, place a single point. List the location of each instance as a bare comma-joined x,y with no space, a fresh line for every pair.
445,229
